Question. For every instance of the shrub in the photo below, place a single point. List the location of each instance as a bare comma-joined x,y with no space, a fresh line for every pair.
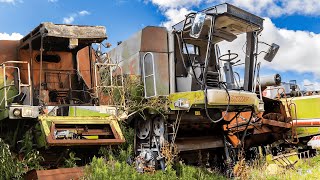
12,168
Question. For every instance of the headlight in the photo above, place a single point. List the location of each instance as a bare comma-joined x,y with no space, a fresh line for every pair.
17,112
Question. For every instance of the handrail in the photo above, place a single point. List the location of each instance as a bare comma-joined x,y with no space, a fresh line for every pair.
6,66
293,129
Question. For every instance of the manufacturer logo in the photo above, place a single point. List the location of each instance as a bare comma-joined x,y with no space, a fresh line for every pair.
234,98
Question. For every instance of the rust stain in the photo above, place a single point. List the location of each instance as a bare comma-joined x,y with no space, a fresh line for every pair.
53,174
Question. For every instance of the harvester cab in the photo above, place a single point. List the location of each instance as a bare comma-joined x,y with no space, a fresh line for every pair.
200,59
191,101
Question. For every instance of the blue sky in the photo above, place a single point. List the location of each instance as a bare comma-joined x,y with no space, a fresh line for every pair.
294,23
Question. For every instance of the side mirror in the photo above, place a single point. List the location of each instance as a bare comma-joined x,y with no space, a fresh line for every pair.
197,25
108,45
271,52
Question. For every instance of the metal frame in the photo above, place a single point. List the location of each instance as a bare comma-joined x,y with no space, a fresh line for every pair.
59,73
98,86
89,142
19,79
249,62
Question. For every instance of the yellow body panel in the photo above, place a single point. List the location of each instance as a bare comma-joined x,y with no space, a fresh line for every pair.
46,122
216,97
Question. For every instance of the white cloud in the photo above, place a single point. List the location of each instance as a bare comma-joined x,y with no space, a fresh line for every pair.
83,13
13,36
174,16
270,8
70,19
299,50
11,1
175,3
53,1
275,8
311,85
7,1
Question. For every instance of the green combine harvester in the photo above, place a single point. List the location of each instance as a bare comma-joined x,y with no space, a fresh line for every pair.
192,102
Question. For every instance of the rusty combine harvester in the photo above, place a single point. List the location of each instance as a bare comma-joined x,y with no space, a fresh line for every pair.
51,89
205,110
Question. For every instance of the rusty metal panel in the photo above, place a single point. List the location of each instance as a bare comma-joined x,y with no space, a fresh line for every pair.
197,143
83,59
154,39
65,65
8,50
53,174
73,31
62,37
276,123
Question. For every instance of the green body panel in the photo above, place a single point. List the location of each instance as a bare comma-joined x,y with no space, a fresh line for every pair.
215,97
77,115
307,107
11,92
76,111
307,131
193,98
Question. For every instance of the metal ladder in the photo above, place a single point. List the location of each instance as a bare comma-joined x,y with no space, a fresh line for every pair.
100,86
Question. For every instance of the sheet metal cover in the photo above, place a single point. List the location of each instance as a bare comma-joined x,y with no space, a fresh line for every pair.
74,31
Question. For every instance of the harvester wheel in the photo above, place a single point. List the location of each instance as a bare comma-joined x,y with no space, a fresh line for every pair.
149,140
143,128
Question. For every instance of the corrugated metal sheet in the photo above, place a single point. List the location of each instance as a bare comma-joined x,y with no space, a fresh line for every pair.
73,31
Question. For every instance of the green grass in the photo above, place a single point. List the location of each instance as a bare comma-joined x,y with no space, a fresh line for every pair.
13,167
101,169
304,169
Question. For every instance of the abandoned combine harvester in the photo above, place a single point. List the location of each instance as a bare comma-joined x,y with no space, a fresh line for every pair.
204,109
51,89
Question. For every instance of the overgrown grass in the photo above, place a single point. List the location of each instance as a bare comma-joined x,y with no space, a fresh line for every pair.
101,169
114,165
304,169
118,168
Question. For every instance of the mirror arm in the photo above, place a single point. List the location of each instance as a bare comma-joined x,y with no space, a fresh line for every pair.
264,43
257,54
